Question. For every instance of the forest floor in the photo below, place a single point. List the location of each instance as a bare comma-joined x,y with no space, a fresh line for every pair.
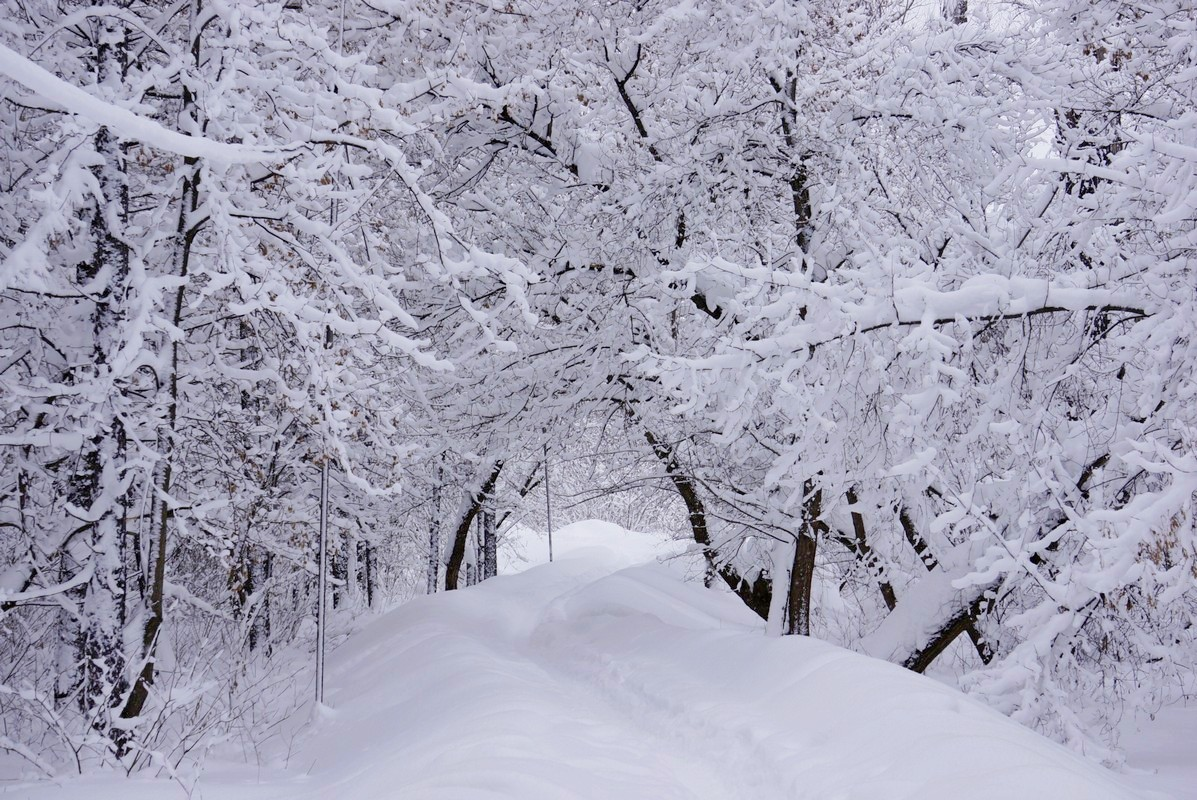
597,679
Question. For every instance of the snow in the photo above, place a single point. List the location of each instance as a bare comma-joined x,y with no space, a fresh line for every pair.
1161,750
524,548
127,124
912,623
596,677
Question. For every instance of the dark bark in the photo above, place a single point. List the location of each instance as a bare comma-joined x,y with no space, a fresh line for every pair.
461,535
259,628
530,483
490,562
95,485
860,546
801,578
432,578
802,572
369,572
338,568
916,540
799,178
964,618
757,593
958,623
956,11
964,621
186,232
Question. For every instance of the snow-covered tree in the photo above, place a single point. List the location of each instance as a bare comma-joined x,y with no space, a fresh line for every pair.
894,308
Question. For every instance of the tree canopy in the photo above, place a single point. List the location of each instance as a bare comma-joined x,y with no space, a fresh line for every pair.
889,309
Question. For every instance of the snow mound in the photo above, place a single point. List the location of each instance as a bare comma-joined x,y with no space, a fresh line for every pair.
588,678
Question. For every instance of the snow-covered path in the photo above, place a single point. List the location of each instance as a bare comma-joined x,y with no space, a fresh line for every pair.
494,706
593,679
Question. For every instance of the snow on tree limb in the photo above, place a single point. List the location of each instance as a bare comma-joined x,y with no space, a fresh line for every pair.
122,121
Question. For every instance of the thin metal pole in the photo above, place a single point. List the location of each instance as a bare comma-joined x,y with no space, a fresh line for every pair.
322,582
548,502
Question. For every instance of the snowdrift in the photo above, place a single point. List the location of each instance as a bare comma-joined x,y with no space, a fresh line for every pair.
595,678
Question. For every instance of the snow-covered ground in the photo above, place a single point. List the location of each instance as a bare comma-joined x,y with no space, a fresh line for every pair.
1161,753
596,678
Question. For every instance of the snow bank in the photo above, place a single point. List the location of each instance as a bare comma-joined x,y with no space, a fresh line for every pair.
588,678
798,717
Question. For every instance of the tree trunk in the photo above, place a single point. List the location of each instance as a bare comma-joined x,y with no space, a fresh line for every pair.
370,571
186,231
956,625
801,580
259,632
490,555
803,572
97,487
461,535
943,636
434,539
352,568
866,555
756,594
338,570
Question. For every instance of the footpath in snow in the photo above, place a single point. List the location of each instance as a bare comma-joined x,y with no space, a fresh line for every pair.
597,679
